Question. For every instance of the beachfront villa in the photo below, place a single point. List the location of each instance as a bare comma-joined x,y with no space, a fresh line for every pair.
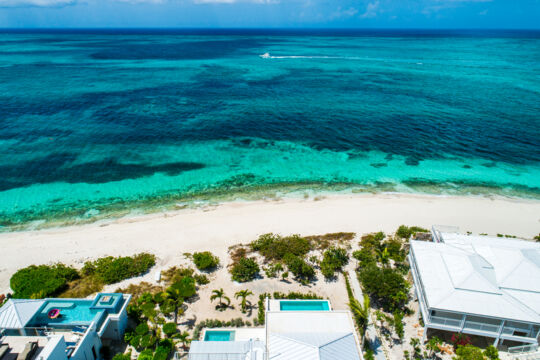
294,329
61,329
479,285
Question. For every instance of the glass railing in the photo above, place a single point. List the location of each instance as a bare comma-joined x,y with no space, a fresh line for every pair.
473,325
445,321
509,330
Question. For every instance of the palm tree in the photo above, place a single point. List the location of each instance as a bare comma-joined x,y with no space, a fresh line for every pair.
175,294
183,337
383,256
220,294
360,313
243,294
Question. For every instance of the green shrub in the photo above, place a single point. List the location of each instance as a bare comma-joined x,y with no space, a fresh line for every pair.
398,324
491,352
41,281
120,356
246,269
169,329
261,315
365,256
394,250
185,288
111,270
333,259
205,260
296,295
373,240
142,329
386,285
175,274
405,232
299,267
162,353
275,247
273,270
201,279
469,352
147,354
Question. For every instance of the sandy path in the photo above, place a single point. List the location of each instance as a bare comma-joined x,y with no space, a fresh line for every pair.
168,235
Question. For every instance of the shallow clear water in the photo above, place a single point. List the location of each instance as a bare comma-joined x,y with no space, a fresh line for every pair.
304,305
217,335
71,312
94,123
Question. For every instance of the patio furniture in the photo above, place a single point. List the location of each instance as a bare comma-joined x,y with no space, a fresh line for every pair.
29,351
4,349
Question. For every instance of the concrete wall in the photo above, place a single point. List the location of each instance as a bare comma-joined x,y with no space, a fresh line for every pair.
55,349
84,350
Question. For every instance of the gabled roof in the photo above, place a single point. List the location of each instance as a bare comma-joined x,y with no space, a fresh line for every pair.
16,313
479,275
313,346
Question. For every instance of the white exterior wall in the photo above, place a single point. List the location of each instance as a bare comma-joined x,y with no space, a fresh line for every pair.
84,349
55,349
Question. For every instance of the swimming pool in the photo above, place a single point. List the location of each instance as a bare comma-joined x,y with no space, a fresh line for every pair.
304,305
219,335
72,312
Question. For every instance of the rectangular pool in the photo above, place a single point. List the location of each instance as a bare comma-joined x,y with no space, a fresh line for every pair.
304,305
72,312
219,335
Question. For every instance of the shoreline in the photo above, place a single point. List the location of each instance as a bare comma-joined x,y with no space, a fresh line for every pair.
75,214
216,227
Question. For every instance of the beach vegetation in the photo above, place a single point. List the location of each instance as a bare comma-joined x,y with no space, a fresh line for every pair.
274,247
201,279
398,324
170,329
219,294
273,270
333,260
175,274
293,295
183,338
205,260
406,232
537,238
137,290
359,311
299,267
284,276
469,352
122,356
261,314
243,294
386,285
246,269
323,242
36,282
110,270
434,346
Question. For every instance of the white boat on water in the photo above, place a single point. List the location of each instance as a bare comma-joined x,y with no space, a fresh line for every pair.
265,56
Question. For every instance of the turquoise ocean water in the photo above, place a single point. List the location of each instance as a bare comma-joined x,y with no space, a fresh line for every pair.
96,123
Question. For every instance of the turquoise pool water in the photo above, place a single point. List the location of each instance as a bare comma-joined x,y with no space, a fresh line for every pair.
71,313
217,335
304,305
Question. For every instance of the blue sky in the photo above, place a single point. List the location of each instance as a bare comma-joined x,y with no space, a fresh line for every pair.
271,13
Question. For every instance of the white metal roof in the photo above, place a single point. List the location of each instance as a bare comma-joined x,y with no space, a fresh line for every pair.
311,335
313,346
481,275
16,313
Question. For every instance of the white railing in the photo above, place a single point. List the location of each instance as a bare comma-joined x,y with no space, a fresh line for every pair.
438,320
509,330
473,325
523,349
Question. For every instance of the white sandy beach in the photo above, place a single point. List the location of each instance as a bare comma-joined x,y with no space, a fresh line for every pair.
169,235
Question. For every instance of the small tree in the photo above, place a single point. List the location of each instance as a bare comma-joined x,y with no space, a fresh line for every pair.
360,313
469,352
183,337
491,352
398,324
243,294
246,269
433,345
220,294
284,276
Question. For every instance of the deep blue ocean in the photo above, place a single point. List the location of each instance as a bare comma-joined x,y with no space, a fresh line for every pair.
94,123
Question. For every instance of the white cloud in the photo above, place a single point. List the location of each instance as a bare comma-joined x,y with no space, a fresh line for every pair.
343,13
371,10
36,3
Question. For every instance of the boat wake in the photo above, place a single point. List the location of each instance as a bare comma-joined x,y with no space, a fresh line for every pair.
268,56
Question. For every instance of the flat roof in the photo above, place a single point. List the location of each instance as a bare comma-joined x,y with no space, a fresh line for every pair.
480,275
